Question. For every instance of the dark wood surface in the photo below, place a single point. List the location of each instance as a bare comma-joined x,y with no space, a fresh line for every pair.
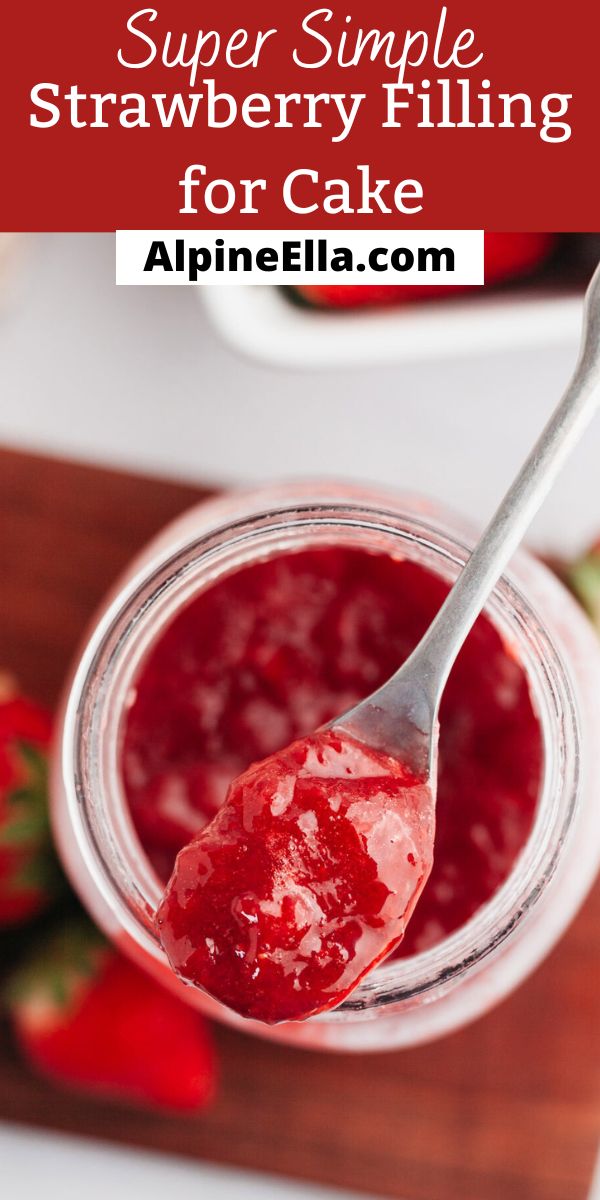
508,1109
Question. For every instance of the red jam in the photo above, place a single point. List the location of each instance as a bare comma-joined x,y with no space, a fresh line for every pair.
280,648
304,880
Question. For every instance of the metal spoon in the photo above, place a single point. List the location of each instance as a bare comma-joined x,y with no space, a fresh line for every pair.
401,717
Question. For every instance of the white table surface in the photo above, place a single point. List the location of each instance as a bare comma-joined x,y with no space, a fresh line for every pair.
138,377
48,1166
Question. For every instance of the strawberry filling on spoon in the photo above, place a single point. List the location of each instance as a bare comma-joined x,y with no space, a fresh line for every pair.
304,880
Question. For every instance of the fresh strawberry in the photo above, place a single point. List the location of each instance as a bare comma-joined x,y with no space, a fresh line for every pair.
29,873
507,256
583,577
86,1017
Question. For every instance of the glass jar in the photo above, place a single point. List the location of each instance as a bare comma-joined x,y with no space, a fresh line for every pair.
408,1000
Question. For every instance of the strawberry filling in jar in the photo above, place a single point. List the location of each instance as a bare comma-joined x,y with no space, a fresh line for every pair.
256,619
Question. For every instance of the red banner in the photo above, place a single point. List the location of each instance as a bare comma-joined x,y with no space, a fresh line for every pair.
281,116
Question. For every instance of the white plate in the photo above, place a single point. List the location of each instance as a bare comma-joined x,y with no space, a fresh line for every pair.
264,324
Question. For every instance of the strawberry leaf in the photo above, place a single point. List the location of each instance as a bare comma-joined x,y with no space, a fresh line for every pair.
24,830
54,972
584,579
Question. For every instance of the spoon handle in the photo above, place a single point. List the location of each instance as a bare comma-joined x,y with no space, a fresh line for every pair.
434,656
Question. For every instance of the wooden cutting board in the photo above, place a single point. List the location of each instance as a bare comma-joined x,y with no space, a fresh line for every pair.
508,1109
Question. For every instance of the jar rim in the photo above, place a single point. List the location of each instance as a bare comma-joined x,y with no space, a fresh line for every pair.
164,584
